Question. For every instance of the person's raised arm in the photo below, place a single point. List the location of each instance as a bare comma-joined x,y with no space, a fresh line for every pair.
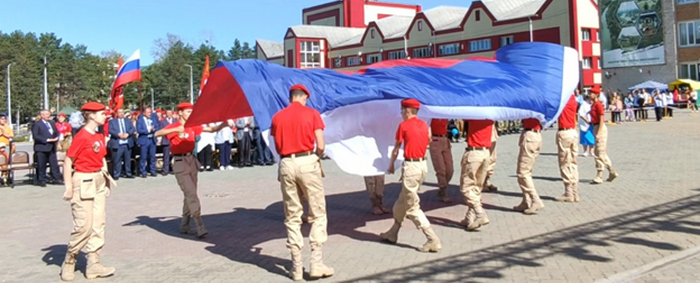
165,132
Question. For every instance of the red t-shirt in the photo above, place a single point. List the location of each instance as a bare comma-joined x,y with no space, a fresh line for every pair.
87,151
63,128
567,119
181,143
294,127
414,134
532,124
479,133
438,127
596,111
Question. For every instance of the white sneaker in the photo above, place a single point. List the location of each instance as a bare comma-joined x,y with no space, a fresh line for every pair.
585,154
229,167
222,168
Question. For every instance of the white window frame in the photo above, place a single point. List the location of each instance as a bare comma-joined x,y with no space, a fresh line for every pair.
505,40
586,63
449,49
689,33
597,36
353,61
398,54
688,68
480,45
423,52
374,58
309,49
585,34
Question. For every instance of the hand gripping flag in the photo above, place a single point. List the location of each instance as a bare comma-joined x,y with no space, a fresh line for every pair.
362,110
128,72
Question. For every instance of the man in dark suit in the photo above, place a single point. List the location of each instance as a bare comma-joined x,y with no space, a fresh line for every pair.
45,137
120,142
165,143
146,126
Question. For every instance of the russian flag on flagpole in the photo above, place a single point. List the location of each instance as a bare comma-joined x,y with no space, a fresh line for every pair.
130,71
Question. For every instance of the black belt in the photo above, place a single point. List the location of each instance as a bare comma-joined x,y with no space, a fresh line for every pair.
595,124
471,148
533,130
182,154
565,129
300,154
414,159
439,136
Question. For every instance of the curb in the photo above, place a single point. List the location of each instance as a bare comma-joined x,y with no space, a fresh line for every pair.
656,265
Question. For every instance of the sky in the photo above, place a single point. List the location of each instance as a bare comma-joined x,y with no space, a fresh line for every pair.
127,25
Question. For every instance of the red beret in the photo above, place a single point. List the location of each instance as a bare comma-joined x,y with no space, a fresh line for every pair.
300,87
93,106
185,106
410,103
136,113
595,90
62,115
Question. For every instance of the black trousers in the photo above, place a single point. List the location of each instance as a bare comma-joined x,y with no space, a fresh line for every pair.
205,157
244,146
659,111
166,159
42,158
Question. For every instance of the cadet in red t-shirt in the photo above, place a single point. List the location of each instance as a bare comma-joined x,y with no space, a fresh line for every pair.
530,146
441,156
475,163
186,166
414,134
567,147
297,129
87,190
602,161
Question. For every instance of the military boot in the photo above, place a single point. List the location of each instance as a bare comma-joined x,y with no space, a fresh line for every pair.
68,268
577,198
433,244
318,269
95,269
537,204
568,195
442,194
613,175
481,219
598,178
468,218
297,271
201,230
524,204
185,225
392,235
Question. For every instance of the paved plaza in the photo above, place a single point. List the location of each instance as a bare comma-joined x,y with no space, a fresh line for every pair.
650,213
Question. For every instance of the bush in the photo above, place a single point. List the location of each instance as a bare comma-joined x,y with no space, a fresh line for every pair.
21,139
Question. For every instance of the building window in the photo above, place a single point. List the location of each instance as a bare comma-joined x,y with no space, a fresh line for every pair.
420,25
586,63
505,40
371,33
480,45
597,63
374,58
393,55
586,34
337,62
421,52
688,33
688,71
448,49
686,1
597,36
477,15
310,53
353,61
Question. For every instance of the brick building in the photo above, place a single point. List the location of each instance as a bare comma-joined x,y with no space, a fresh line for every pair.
351,34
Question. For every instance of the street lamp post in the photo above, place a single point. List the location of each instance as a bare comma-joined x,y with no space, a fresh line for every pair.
191,84
9,96
153,104
46,87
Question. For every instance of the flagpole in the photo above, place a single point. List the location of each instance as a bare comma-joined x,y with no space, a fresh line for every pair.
140,97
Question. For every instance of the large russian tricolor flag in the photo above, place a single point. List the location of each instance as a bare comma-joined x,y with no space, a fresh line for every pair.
130,71
362,110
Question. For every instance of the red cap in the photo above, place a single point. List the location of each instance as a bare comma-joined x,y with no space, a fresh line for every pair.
184,106
595,90
62,115
410,103
93,106
300,87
